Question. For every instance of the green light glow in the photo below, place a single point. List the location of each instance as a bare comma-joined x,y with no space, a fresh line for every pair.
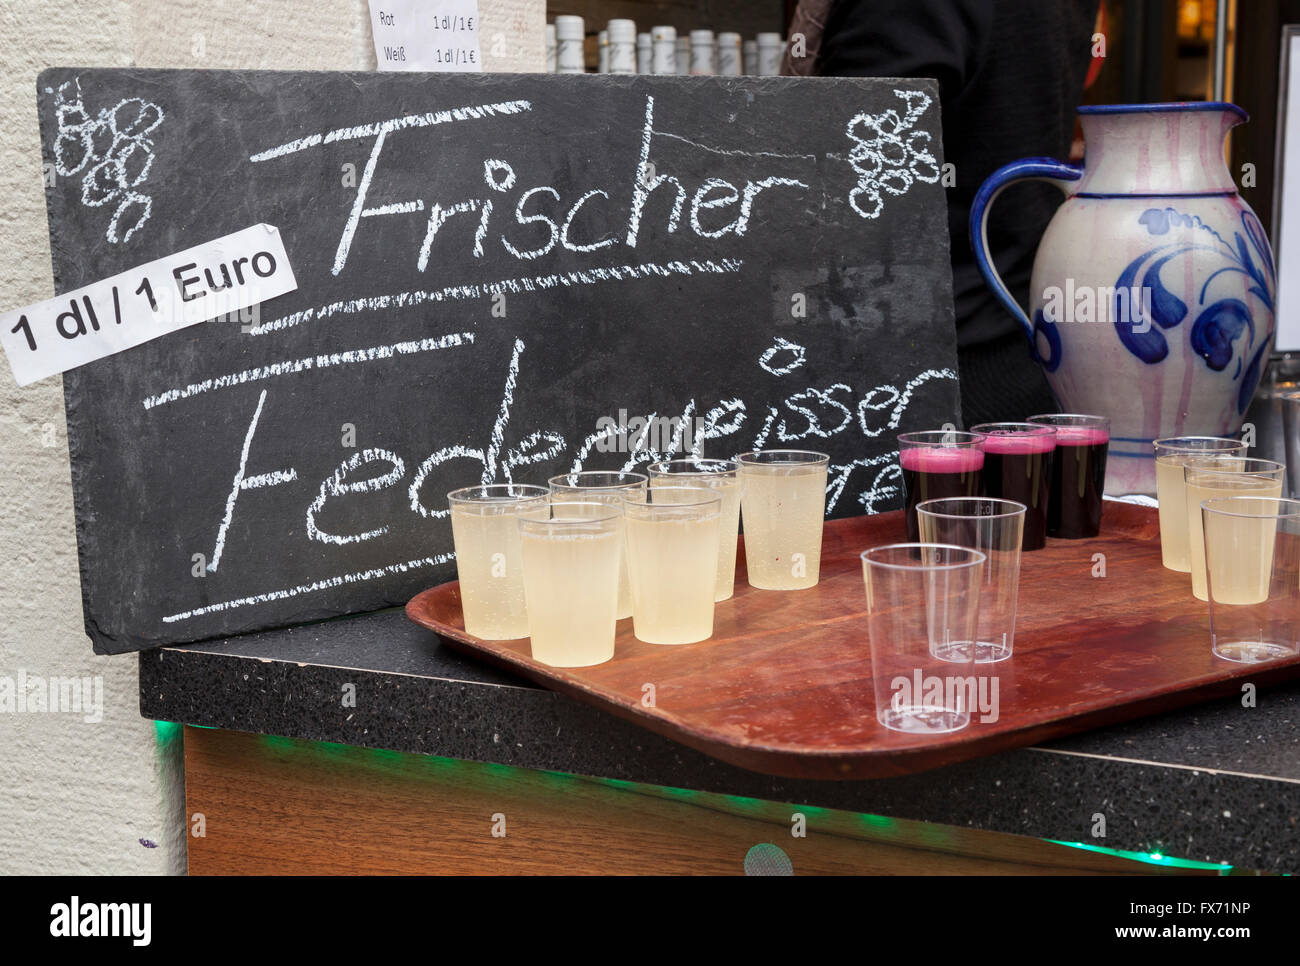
882,822
1149,858
557,777
936,835
166,731
679,792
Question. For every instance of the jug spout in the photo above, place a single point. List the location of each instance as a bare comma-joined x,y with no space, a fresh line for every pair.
1157,149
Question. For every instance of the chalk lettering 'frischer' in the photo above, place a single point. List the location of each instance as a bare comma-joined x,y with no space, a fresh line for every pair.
715,207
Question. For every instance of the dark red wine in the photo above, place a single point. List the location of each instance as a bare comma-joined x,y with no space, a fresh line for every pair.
933,473
1019,467
1078,481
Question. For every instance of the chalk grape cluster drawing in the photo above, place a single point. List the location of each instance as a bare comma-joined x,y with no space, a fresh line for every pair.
113,148
888,154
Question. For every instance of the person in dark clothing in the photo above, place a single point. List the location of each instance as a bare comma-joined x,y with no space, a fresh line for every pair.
1010,73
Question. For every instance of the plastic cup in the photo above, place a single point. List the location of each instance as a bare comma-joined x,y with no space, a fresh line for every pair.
937,464
1078,474
922,614
485,531
1018,463
724,477
1206,478
996,529
601,487
571,555
672,557
1172,454
1252,558
783,498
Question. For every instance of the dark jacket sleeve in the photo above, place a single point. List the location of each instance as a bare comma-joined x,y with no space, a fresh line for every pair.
943,39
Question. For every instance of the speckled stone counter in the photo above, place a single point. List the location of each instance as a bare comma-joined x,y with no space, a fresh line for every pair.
1216,782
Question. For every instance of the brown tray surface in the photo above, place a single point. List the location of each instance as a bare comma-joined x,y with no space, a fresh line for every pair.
784,685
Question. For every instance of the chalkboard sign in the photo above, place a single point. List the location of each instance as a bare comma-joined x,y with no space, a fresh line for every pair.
500,277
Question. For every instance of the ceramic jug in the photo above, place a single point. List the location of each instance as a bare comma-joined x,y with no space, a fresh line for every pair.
1153,288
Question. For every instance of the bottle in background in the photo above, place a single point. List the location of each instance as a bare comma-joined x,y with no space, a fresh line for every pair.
622,47
569,34
602,52
664,50
729,55
770,49
550,48
644,53
702,51
683,55
749,57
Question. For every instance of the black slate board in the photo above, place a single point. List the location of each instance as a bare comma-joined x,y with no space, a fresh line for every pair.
825,324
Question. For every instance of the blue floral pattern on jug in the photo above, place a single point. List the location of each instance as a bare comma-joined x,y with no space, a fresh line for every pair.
1219,323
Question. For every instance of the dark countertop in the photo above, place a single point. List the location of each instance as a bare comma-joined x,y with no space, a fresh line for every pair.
1217,782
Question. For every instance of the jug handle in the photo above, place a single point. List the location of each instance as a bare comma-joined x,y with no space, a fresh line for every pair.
1058,173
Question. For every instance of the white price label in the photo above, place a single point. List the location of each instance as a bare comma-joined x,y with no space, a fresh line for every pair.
221,278
428,35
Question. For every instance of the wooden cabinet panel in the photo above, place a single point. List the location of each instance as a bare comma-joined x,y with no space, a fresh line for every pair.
280,806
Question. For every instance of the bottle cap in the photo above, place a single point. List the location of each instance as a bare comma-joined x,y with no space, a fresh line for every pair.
569,28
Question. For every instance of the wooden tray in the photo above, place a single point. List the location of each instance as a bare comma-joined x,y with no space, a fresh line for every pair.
784,685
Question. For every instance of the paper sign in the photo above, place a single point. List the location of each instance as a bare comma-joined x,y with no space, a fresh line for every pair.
224,277
429,35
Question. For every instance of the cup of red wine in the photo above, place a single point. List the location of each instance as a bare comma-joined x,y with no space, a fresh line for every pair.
1078,474
938,464
1018,465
